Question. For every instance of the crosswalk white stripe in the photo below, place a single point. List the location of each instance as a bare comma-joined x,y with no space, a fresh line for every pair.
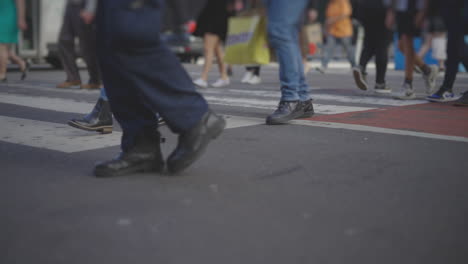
53,136
272,104
370,100
63,138
72,106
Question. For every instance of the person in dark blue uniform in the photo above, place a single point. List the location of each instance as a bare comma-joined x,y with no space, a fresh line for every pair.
142,77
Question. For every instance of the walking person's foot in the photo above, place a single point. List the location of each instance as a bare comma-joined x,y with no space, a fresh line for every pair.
25,71
286,111
99,120
220,83
430,78
442,95
193,142
91,86
307,109
144,156
406,92
68,84
200,83
360,78
382,88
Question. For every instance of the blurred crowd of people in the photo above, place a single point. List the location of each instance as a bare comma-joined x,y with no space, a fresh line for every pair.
145,84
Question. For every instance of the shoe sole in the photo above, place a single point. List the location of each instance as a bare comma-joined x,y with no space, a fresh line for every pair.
283,121
100,129
141,168
176,168
359,81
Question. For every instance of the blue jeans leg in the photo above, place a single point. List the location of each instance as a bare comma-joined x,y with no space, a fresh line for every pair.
283,33
103,95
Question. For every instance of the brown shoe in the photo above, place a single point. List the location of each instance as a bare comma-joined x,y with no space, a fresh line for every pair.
68,84
91,86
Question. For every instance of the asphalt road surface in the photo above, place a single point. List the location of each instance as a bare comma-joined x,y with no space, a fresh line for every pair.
368,179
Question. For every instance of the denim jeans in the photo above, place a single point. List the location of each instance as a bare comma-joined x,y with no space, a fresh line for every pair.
283,33
330,49
103,95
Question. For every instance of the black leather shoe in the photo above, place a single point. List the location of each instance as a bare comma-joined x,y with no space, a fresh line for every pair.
145,156
307,109
99,120
192,143
285,112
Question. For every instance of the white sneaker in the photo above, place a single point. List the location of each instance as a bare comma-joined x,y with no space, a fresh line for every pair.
200,83
406,92
221,83
431,79
254,80
247,76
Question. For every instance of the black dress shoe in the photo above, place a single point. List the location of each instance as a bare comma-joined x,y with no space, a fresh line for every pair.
307,109
99,120
192,143
145,156
285,112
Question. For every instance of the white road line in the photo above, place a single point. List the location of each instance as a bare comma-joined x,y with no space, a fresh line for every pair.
63,138
378,130
272,104
46,103
53,136
72,106
364,99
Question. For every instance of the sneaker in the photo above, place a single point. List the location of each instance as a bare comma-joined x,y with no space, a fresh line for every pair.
220,83
285,112
382,88
254,80
431,79
442,96
307,108
360,78
406,92
200,83
68,84
462,101
247,76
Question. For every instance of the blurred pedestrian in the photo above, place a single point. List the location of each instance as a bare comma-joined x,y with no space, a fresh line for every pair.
409,15
455,15
74,25
435,38
284,22
143,77
339,29
12,19
377,38
212,25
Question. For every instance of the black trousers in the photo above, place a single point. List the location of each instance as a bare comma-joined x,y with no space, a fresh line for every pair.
457,49
376,41
73,27
141,75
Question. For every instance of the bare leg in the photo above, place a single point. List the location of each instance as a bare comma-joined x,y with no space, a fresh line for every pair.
16,59
406,45
3,60
209,43
219,58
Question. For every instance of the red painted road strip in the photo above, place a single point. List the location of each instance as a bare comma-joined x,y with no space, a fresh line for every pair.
433,118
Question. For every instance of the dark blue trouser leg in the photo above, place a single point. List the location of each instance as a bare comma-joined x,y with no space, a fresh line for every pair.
141,75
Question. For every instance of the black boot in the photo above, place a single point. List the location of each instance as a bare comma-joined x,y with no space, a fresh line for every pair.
308,109
192,143
100,119
285,112
144,156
